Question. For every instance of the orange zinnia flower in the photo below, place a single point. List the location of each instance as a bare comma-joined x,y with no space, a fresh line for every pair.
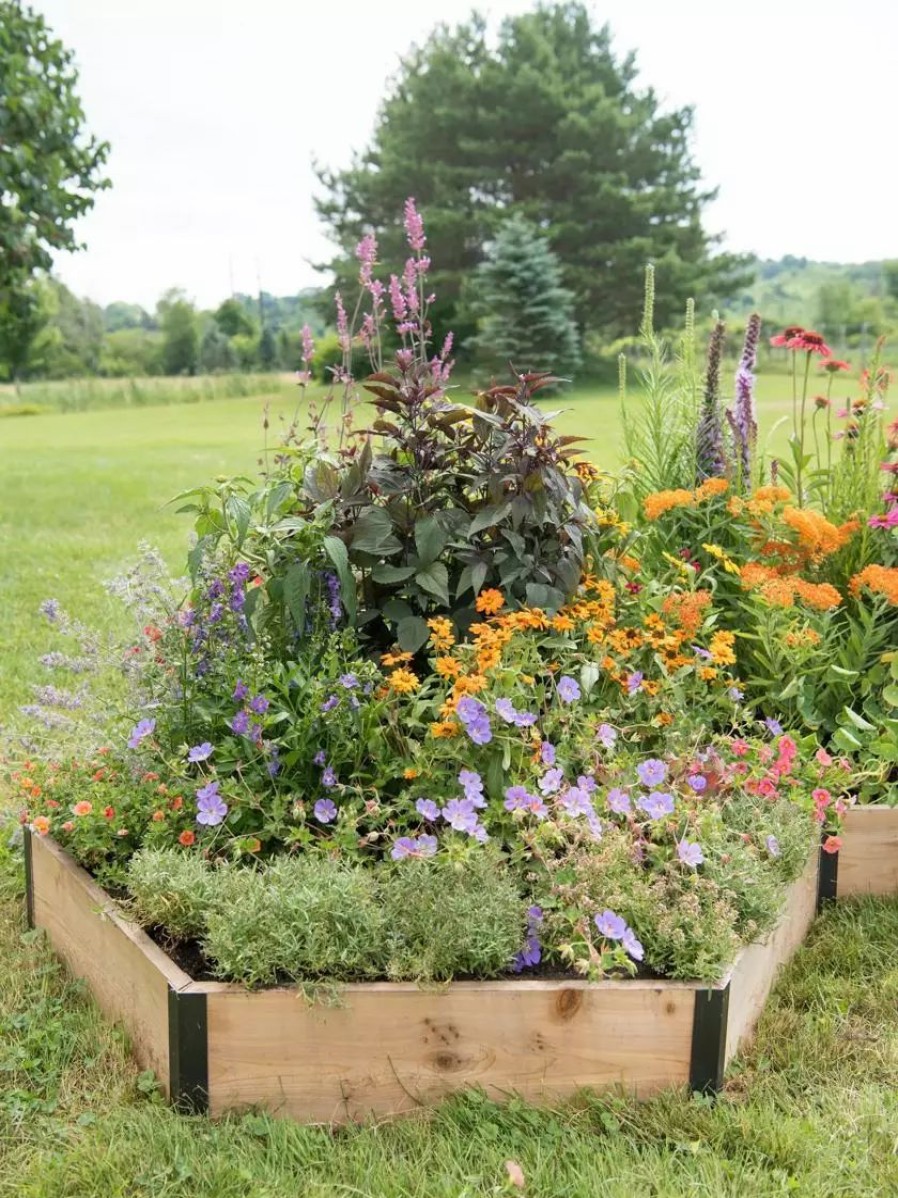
490,601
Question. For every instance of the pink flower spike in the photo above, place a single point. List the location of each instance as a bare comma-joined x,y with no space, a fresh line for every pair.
366,252
342,323
397,299
414,226
308,345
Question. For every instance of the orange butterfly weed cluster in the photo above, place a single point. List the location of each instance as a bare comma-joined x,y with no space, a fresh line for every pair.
659,502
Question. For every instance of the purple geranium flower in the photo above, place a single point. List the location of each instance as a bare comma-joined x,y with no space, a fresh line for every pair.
200,752
259,705
325,811
460,815
657,804
773,846
329,778
518,798
427,808
736,694
551,780
505,709
524,719
547,753
651,772
634,682
576,801
606,736
479,731
568,690
698,782
411,846
704,654
141,730
632,946
469,709
210,806
472,784
240,573
618,801
241,690
774,727
611,926
329,704
319,758
240,723
690,853
349,681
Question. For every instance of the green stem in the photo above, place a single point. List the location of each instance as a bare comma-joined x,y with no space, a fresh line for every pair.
801,430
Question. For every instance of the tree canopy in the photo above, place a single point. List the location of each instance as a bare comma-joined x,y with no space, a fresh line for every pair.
50,167
547,122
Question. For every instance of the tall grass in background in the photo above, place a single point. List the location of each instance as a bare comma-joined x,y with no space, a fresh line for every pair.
83,395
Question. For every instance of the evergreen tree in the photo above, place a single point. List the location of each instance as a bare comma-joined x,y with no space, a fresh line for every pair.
547,121
267,349
527,315
216,352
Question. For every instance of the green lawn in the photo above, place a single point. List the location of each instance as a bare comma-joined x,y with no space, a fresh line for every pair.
813,1109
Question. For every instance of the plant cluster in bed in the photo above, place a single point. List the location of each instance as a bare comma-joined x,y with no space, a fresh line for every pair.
439,700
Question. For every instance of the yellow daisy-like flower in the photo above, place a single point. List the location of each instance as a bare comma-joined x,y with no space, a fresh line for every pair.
444,729
490,601
442,634
403,681
723,557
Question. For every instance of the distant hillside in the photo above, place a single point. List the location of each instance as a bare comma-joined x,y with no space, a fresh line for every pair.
850,303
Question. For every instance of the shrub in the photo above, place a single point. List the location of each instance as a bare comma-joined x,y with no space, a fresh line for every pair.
297,918
171,889
449,917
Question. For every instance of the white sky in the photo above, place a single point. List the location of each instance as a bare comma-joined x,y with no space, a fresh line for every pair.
216,108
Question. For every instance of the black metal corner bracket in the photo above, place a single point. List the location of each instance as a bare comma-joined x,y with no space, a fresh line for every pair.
709,1039
827,879
188,1051
29,877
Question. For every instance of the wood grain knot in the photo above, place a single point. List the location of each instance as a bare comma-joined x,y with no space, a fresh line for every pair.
448,1062
568,1003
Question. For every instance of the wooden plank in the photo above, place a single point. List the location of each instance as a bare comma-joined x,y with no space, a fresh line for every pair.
868,858
756,967
391,1048
128,975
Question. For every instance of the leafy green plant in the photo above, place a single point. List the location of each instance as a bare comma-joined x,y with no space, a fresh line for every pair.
170,889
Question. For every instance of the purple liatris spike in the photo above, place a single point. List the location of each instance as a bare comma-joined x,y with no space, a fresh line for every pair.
710,455
742,418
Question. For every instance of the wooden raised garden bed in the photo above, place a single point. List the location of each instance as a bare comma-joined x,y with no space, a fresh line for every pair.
867,862
389,1048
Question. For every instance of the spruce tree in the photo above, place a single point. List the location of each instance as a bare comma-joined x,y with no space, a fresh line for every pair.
526,314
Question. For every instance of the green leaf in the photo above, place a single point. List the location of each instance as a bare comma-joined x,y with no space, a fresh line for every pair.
395,610
840,672
488,517
858,720
846,741
296,591
890,695
548,598
434,579
388,574
373,533
412,633
430,539
239,515
337,552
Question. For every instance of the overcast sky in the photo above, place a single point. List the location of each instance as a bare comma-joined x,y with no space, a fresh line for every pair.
216,109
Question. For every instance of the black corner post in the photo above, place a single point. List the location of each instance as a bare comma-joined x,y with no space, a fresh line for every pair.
29,877
827,878
709,1039
188,1051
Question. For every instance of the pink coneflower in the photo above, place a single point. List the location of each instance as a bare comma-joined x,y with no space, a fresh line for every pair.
788,334
809,342
832,365
889,520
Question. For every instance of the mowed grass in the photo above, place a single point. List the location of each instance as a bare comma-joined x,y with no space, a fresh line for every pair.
812,1109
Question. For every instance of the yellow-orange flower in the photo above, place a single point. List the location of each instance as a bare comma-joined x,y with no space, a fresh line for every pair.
41,825
447,667
444,729
659,502
442,634
490,601
881,580
721,648
469,684
409,773
819,595
562,623
83,808
817,537
711,487
395,658
403,681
